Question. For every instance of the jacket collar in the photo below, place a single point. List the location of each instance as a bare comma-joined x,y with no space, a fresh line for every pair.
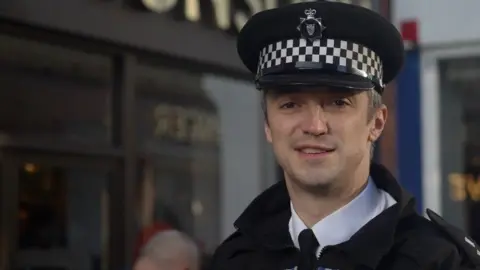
266,219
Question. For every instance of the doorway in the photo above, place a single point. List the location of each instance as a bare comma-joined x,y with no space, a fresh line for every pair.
55,210
450,134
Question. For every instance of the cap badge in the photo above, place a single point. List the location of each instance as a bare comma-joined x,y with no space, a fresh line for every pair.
311,28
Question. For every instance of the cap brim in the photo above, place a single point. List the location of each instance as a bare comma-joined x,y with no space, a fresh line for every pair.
338,81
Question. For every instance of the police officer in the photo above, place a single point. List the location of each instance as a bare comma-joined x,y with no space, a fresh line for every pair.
322,68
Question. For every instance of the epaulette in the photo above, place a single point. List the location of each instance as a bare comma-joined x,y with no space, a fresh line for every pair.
466,246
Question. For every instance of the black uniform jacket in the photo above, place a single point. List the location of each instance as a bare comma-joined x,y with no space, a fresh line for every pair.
397,239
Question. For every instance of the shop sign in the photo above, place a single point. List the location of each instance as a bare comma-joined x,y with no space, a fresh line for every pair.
183,124
464,186
226,15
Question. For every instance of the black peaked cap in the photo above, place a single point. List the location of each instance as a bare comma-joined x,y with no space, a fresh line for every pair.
333,23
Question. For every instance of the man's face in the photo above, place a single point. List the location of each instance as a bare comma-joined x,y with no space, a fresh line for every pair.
320,135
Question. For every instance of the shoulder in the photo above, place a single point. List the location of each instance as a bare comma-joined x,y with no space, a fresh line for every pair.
434,241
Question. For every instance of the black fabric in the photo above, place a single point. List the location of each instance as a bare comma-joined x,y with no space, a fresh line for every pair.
308,247
339,81
468,249
464,256
397,239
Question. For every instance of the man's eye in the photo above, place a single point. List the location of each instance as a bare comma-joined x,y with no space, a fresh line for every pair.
288,105
340,102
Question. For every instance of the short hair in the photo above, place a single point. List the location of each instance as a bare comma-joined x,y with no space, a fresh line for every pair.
375,102
171,245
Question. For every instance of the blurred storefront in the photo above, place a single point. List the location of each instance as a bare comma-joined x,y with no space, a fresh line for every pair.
439,110
118,116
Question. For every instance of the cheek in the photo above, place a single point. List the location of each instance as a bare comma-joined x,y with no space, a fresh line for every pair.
279,137
281,134
281,129
351,134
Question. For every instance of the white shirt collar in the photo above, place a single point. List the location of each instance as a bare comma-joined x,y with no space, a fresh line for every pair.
339,226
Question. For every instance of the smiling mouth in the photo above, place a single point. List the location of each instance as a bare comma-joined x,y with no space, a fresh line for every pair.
313,151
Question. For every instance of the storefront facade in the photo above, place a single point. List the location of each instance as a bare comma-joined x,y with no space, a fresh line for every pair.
114,118
439,108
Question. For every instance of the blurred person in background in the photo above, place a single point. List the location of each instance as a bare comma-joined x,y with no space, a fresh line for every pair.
147,233
322,67
169,250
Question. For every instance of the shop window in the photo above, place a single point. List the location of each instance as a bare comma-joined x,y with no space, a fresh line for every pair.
51,93
42,208
460,142
177,132
62,215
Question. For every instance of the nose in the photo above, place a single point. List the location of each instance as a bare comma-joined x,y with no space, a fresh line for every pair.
315,123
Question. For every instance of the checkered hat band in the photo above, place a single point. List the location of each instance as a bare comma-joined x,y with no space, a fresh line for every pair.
343,54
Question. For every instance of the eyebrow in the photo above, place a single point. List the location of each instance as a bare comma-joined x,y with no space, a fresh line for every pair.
339,92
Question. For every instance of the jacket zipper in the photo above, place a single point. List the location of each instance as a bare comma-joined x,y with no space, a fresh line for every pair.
320,253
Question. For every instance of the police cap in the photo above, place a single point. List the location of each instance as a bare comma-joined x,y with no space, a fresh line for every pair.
321,43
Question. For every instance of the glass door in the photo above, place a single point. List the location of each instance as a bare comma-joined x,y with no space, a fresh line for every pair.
55,212
460,141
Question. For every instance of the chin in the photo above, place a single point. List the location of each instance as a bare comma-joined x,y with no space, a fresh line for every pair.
315,183
316,179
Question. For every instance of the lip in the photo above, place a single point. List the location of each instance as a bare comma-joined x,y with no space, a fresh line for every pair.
313,151
319,147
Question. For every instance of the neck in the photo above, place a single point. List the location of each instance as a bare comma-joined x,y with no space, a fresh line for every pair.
312,207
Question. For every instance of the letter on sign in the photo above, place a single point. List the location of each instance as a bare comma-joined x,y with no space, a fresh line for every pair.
160,6
457,187
463,186
473,188
222,13
184,124
192,10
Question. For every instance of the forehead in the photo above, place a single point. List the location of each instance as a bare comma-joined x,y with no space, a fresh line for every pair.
314,92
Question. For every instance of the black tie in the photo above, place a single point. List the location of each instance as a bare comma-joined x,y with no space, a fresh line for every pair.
308,248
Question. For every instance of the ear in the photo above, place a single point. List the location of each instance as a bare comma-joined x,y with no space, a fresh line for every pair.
268,132
378,123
